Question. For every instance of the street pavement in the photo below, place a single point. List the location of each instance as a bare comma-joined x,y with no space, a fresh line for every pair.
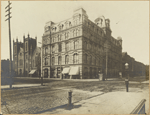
120,102
53,100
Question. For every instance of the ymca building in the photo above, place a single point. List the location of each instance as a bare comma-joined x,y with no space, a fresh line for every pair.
79,48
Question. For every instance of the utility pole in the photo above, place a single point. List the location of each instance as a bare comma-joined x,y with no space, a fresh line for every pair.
10,64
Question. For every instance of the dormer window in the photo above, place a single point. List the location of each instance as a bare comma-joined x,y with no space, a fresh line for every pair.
70,24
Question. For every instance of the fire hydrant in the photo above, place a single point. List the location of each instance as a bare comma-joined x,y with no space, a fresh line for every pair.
69,97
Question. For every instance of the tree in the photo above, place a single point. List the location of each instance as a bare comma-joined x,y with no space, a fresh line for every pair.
147,72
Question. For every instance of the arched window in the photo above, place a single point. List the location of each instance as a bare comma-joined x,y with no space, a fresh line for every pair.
46,61
53,49
59,37
70,24
20,62
62,26
59,48
53,60
77,32
59,60
74,33
75,58
86,58
55,29
66,59
93,46
66,25
46,50
67,46
85,44
33,63
68,35
86,71
90,60
89,46
76,45
20,71
95,61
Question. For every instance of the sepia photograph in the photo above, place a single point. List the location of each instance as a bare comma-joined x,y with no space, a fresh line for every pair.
74,57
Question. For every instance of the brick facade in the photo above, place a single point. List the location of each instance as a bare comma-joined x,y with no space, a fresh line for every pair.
88,45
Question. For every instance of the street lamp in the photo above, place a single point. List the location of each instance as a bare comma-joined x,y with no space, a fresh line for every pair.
127,76
41,64
126,66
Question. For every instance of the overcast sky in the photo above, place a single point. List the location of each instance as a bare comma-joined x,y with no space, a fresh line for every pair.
128,19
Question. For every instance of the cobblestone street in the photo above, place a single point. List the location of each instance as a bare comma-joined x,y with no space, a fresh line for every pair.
37,99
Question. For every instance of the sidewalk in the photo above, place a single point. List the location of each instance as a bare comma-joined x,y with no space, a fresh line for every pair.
120,102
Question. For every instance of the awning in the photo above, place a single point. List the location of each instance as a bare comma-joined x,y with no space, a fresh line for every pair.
65,70
32,71
74,71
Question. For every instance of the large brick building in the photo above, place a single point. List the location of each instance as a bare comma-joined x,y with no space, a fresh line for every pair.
80,48
25,56
135,68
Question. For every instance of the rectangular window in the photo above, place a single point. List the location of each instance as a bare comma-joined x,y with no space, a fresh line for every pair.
53,60
59,60
67,47
53,49
26,56
59,48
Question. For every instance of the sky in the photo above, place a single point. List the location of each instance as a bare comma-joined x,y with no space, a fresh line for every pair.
128,19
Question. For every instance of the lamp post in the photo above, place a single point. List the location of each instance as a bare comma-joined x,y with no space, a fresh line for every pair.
41,64
127,76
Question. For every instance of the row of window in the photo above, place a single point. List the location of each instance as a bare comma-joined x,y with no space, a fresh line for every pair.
62,26
75,60
94,28
60,37
88,59
92,46
67,47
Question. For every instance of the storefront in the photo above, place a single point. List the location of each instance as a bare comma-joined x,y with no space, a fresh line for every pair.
74,72
65,72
